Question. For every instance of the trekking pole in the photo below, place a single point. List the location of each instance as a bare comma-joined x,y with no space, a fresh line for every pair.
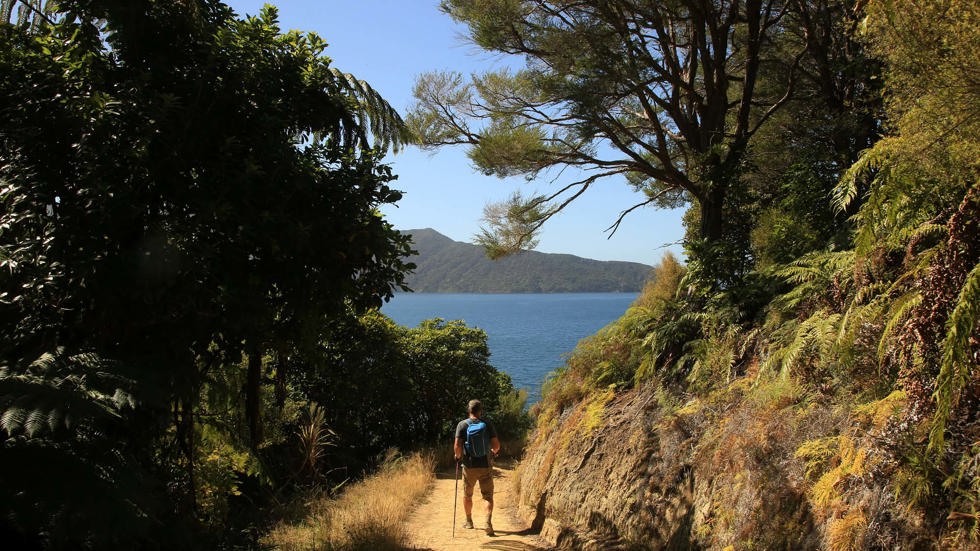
455,496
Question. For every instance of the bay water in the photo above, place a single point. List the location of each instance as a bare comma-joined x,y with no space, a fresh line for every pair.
528,334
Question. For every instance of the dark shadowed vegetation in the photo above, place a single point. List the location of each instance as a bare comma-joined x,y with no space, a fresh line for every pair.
191,256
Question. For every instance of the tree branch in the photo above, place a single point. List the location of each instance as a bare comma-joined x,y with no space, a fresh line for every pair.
615,226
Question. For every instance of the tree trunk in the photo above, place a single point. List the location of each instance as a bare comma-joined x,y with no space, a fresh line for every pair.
711,227
253,382
183,418
281,387
712,249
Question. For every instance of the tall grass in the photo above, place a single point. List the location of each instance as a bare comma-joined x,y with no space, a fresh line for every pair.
369,515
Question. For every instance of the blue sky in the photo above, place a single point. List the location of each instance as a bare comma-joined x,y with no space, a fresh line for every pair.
388,43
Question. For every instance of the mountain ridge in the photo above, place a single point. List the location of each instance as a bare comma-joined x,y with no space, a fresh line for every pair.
444,265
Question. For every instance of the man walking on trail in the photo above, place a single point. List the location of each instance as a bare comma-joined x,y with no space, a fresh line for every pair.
476,444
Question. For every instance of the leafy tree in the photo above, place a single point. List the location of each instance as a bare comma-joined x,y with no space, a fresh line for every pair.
666,94
383,385
835,113
177,186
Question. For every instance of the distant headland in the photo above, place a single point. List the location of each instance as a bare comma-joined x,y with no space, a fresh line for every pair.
447,266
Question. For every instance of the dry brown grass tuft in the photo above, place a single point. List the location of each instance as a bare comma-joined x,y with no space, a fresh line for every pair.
368,516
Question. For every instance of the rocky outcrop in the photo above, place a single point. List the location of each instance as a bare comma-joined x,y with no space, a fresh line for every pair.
632,473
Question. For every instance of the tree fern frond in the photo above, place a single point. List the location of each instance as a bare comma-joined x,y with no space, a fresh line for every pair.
866,166
954,372
56,419
37,419
772,361
123,399
46,361
869,292
923,231
6,10
898,312
749,340
59,391
12,419
845,324
818,331
812,276
372,115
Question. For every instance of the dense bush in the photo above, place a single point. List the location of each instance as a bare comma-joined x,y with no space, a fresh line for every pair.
844,363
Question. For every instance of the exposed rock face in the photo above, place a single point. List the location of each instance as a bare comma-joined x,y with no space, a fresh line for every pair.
702,477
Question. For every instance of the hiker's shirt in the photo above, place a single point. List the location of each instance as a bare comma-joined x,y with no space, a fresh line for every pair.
475,462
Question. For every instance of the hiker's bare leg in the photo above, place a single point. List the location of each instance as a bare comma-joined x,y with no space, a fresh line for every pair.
468,506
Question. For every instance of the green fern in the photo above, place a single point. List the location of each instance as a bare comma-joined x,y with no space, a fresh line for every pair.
956,366
61,392
816,335
867,166
56,417
813,274
669,342
372,115
898,312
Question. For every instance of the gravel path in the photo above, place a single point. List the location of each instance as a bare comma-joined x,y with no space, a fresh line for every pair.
431,524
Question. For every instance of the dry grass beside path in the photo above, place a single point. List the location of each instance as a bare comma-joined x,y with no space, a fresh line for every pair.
369,515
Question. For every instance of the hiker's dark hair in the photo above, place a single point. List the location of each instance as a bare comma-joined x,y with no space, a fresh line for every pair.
474,407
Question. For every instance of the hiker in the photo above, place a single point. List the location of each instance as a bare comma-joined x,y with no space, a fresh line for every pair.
475,445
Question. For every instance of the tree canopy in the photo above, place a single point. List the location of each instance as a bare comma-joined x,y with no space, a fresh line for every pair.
673,98
178,186
665,94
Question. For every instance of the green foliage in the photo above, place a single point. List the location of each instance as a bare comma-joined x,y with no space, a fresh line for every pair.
314,437
815,338
584,100
59,393
957,366
856,304
646,343
177,185
511,226
921,194
384,386
61,415
510,418
222,464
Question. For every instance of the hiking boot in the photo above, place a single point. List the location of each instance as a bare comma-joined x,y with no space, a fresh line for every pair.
490,531
468,523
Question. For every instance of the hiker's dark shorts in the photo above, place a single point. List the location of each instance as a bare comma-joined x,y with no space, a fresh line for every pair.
482,474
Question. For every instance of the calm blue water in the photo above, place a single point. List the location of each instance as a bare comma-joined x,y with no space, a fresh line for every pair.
528,334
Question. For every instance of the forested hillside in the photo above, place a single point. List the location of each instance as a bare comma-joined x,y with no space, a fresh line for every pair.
446,266
809,378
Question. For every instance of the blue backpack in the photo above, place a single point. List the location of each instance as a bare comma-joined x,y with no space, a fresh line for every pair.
477,442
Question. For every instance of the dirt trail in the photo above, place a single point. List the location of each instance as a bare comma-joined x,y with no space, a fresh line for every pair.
431,524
